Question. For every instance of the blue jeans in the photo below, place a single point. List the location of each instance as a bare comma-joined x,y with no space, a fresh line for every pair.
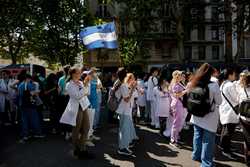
126,131
97,111
30,121
203,146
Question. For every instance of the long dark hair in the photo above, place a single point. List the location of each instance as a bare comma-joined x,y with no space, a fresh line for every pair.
161,81
121,73
247,81
66,70
203,75
51,80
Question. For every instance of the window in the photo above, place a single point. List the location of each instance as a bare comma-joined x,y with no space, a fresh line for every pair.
166,27
158,45
188,52
193,13
165,9
103,9
201,32
166,52
187,34
202,52
215,32
215,52
215,13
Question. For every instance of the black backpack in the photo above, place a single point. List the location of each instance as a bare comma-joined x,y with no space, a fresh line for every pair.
198,102
244,108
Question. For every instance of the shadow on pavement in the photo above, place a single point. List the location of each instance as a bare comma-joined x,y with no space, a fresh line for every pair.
151,151
150,146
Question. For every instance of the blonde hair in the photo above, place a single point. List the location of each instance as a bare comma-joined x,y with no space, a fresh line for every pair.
175,75
128,77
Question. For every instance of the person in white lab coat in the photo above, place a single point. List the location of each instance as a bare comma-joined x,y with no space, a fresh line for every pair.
4,98
228,118
76,113
240,83
153,82
141,100
244,94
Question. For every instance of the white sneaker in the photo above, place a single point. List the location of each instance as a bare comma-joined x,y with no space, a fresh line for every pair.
93,137
39,136
130,151
228,155
186,127
90,144
124,152
136,138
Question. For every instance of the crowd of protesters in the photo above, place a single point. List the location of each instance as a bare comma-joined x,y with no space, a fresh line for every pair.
73,98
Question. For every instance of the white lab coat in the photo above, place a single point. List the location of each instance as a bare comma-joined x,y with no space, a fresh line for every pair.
242,94
152,82
78,97
227,114
3,95
12,93
141,100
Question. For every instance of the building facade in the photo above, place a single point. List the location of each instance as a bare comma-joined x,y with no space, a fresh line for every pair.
203,40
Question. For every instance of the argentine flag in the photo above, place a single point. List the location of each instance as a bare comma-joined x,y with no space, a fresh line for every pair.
101,36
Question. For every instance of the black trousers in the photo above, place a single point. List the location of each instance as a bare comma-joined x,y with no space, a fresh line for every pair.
163,121
226,136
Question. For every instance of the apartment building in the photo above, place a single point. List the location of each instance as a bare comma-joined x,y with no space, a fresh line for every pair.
203,42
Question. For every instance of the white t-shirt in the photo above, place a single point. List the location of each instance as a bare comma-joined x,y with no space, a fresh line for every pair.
163,101
125,107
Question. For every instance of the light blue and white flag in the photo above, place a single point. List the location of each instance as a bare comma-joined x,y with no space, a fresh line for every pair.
101,36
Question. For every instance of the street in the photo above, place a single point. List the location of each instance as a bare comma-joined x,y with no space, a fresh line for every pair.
151,151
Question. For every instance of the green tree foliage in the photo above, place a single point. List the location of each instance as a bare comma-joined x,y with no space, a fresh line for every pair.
45,28
128,50
142,15
16,23
55,37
